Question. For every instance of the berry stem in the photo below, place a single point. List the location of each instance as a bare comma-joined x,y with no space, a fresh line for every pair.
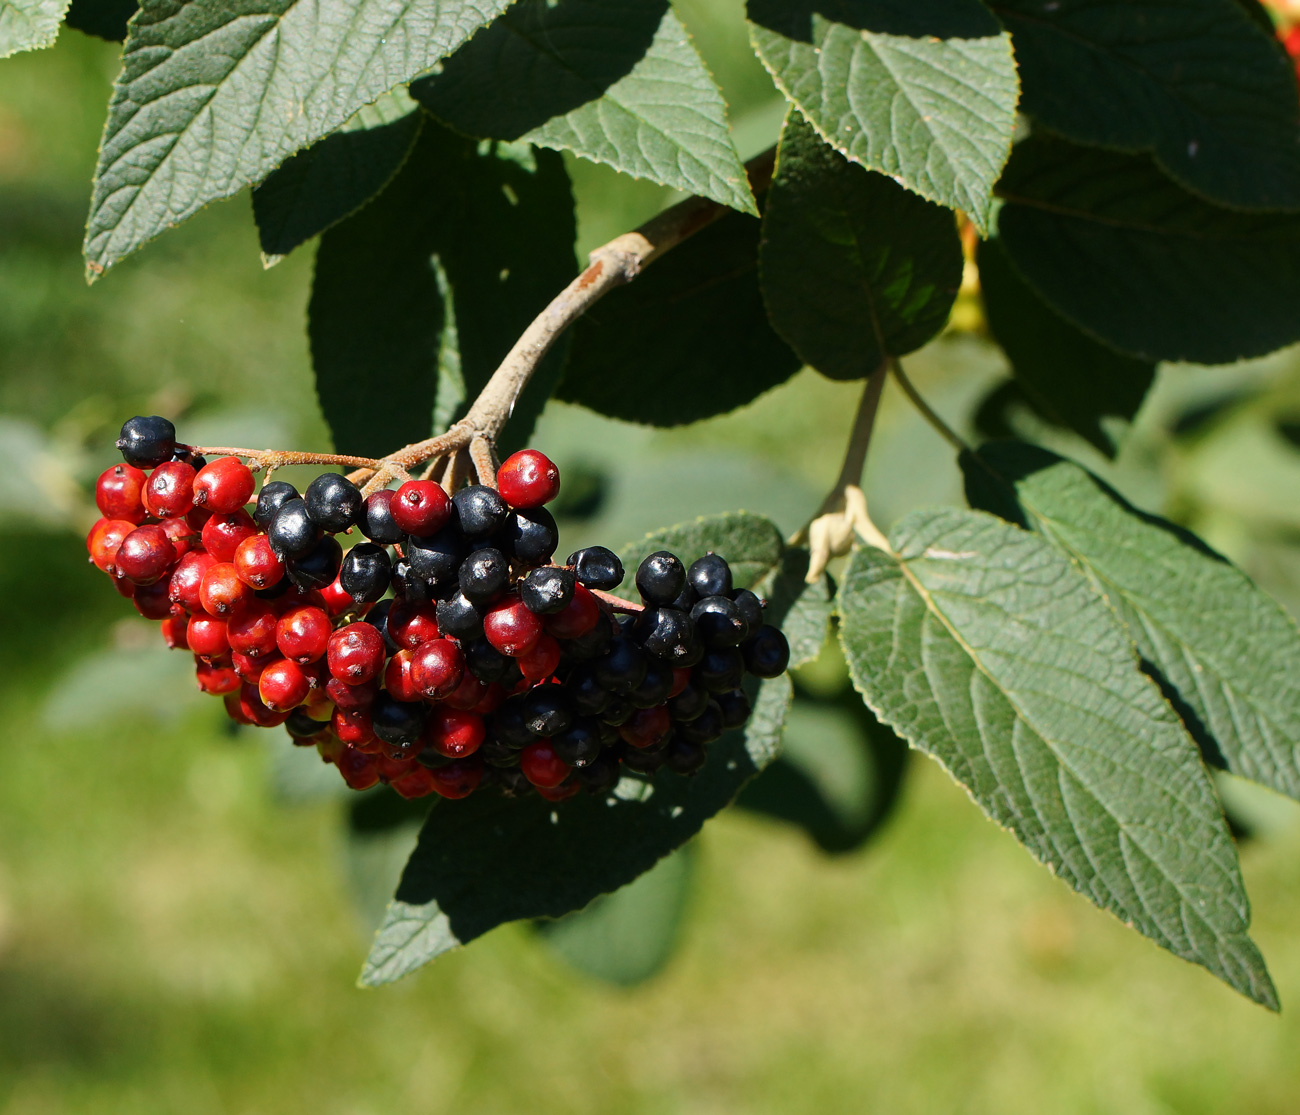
271,459
617,603
483,454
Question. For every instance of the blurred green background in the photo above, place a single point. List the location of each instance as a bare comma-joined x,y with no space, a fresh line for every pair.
182,916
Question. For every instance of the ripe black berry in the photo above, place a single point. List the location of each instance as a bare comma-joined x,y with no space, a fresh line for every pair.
274,495
664,632
497,754
689,703
482,659
409,585
767,654
480,510
366,572
710,576
376,519
513,782
579,744
146,442
600,775
333,502
378,618
645,761
618,711
436,558
292,533
461,618
547,590
302,726
660,578
718,621
484,575
589,697
720,669
621,668
735,707
751,610
705,728
597,567
510,726
529,535
318,567
547,710
593,643
654,687
398,722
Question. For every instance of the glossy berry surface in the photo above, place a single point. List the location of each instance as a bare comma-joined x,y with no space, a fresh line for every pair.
709,576
547,590
460,617
397,722
145,555
333,502
318,567
542,766
366,572
484,575
221,592
223,486
420,507
528,479
529,536
511,628
355,653
147,441
292,532
222,534
119,491
436,668
457,779
479,510
258,566
302,633
274,495
660,578
376,519
767,654
169,491
283,686
454,733
252,631
597,567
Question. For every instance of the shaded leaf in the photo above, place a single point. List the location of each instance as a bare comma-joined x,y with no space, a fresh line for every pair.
925,93
719,354
614,81
1197,83
1067,378
1228,655
983,646
801,610
212,97
854,267
29,24
1136,261
105,19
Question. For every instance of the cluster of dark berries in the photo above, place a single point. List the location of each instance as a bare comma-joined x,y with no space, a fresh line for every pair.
446,650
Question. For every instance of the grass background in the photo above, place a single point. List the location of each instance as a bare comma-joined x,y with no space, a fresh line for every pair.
175,936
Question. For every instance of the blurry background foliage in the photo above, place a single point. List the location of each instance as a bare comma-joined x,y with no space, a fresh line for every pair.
183,904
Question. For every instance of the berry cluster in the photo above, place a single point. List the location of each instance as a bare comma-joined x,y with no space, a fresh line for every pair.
486,663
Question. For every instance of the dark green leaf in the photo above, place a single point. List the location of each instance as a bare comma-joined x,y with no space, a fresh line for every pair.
1197,83
925,93
1067,378
334,177
1228,656
615,81
213,96
719,354
854,267
984,646
626,937
492,227
29,24
105,19
1128,256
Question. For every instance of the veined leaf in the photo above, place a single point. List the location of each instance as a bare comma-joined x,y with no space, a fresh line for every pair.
1230,654
29,24
1197,83
985,647
614,81
213,96
925,93
854,267
1136,261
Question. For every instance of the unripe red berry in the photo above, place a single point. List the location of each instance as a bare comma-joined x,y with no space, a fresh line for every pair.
557,793
420,507
223,533
249,668
541,766
235,709
359,769
409,624
197,517
183,536
457,779
354,728
492,700
355,653
123,587
577,617
184,584
303,633
257,564
145,555
468,694
351,697
223,486
257,711
335,598
511,628
169,491
253,630
206,636
417,782
540,662
152,601
437,668
216,680
105,540
118,493
283,686
454,732
528,479
398,680
174,633
646,727
221,592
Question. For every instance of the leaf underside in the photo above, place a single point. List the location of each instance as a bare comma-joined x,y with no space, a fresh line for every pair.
29,24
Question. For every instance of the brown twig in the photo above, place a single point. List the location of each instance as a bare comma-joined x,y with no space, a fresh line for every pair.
484,457
617,603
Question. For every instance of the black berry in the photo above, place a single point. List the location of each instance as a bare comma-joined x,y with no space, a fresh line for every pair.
436,558
600,775
751,610
333,502
660,578
579,744
623,667
376,519
292,533
366,572
510,725
480,510
664,632
654,687
461,618
147,441
318,566
547,710
409,585
547,590
596,567
710,576
720,669
719,622
690,702
398,722
529,535
484,575
705,728
735,707
274,495
685,756
767,654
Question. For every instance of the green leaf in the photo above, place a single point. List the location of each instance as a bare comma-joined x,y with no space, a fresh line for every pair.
627,937
29,24
336,176
854,267
491,225
105,19
1196,83
1142,265
750,543
1227,655
488,859
719,354
925,93
801,610
983,646
614,81
1067,378
213,96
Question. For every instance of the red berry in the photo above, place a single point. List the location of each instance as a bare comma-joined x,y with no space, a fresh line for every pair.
359,769
541,766
492,700
398,680
197,517
646,727
681,679
206,636
577,617
283,686
303,633
104,541
253,630
223,486
145,555
183,536
354,728
468,694
336,598
123,587
393,767
117,493
351,697
221,592
454,733
235,709
187,579
557,793
216,680
420,507
169,491
436,668
249,668
355,653
151,601
417,782
257,711
409,624
257,564
174,633
457,779
223,533
528,479
511,628
540,662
